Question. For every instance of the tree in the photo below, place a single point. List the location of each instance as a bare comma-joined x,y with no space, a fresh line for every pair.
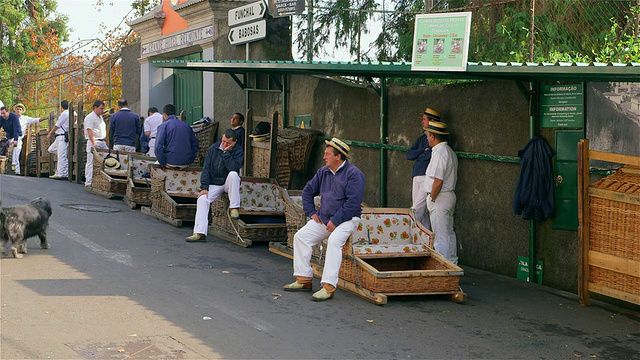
30,36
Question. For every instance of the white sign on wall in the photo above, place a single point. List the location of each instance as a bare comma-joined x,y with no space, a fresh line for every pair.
248,32
177,41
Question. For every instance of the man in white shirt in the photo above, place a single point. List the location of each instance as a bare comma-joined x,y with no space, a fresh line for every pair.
94,131
59,145
440,184
25,121
151,124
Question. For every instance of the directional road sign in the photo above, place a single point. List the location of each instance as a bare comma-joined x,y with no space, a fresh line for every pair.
243,14
248,32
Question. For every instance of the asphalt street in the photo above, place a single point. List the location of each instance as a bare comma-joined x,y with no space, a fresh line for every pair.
119,284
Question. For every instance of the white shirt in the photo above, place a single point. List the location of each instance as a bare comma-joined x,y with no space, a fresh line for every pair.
95,123
444,166
63,122
26,121
151,124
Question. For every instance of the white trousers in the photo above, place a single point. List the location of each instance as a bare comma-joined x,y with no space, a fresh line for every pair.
62,149
441,214
152,148
88,169
231,187
15,160
312,234
419,199
126,148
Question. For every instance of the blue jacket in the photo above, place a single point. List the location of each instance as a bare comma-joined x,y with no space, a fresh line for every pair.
218,164
176,144
239,136
11,126
125,127
342,194
417,152
534,190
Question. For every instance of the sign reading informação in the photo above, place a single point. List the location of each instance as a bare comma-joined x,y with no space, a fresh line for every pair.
562,106
441,42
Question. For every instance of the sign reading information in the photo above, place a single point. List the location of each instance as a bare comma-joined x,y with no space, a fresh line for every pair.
441,42
562,106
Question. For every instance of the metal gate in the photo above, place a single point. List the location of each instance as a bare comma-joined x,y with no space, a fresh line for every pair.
187,90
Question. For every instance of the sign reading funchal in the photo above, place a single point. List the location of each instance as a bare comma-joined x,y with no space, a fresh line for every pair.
249,29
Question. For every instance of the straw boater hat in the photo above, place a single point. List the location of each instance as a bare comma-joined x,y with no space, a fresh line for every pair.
261,132
111,163
434,114
340,145
437,127
19,105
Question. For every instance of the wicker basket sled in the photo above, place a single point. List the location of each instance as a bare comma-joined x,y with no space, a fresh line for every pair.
109,182
261,211
174,194
390,254
138,181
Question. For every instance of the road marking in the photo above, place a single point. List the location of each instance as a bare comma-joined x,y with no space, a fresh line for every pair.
121,257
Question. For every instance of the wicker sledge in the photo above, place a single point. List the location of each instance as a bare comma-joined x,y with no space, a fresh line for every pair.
390,254
107,182
138,181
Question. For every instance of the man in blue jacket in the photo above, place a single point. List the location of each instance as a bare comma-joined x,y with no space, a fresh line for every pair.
125,128
341,185
420,151
219,174
10,122
176,144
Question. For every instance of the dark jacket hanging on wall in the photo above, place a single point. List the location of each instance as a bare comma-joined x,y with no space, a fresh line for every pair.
534,191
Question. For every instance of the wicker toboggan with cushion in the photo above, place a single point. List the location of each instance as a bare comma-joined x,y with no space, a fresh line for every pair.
138,181
261,214
174,194
109,182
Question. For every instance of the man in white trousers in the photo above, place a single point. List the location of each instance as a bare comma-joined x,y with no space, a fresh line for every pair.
25,121
219,174
440,185
95,131
151,124
59,145
341,185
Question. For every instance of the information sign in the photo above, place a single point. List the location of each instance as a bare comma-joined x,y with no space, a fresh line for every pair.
523,270
441,42
562,106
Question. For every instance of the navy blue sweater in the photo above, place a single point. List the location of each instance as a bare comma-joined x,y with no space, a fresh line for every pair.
534,190
420,155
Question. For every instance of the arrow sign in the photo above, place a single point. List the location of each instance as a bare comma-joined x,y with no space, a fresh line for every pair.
243,14
248,32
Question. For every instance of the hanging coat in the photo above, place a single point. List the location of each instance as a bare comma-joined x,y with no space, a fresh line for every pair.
534,191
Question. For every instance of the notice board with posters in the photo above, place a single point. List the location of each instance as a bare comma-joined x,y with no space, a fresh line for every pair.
441,42
562,106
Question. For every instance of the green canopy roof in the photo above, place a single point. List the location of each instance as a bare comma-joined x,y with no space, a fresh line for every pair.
583,72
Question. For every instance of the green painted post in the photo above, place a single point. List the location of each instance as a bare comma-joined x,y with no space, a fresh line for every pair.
383,140
533,116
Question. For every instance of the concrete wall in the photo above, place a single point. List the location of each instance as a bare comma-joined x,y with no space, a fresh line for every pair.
131,78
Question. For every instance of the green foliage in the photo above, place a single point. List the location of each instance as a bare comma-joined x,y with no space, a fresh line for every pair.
30,32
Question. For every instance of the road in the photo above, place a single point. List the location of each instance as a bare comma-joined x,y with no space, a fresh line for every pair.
120,284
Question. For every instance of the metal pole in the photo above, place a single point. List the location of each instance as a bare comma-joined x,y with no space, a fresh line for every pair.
531,30
383,140
533,105
110,89
428,5
82,98
310,32
59,92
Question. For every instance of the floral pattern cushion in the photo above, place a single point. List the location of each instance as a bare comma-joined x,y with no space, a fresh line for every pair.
181,182
140,167
260,196
388,233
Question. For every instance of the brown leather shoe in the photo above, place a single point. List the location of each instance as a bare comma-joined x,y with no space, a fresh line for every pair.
197,238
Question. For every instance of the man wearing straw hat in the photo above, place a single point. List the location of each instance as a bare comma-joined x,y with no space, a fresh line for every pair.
25,121
341,185
420,151
440,184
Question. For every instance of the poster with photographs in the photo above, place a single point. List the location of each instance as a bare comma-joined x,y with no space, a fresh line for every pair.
441,42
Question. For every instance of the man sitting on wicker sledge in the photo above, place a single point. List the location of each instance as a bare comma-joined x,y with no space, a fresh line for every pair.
341,185
219,174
